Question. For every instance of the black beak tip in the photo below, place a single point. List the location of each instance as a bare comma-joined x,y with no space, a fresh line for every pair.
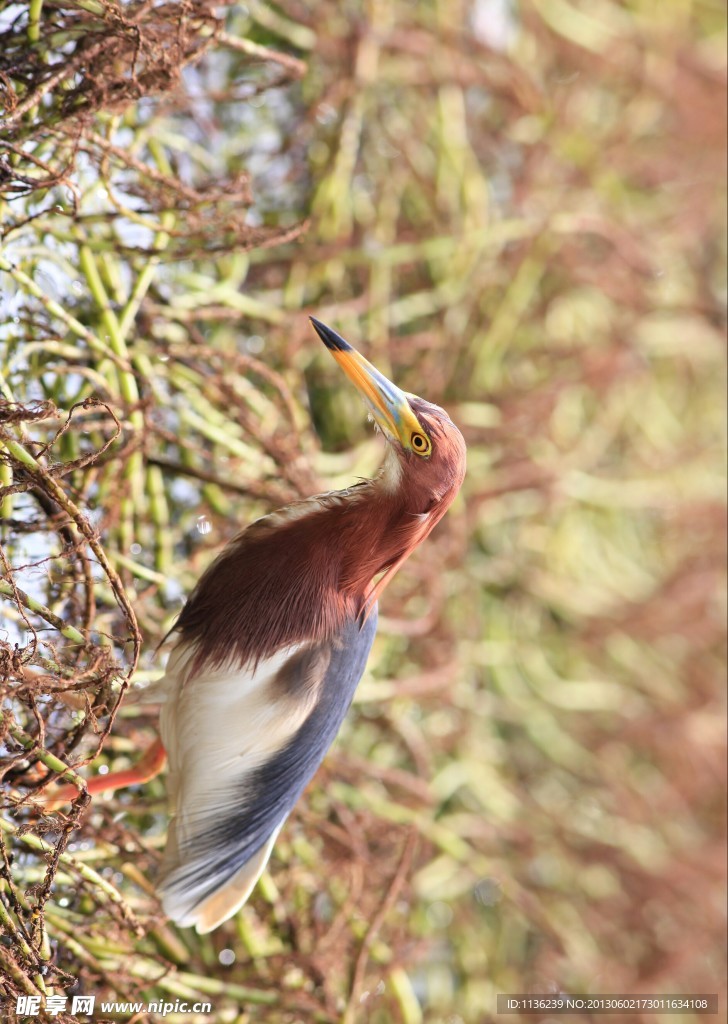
333,341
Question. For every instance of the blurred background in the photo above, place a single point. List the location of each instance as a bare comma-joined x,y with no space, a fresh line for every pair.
516,210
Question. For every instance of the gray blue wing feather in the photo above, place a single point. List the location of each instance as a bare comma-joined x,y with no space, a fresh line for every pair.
258,801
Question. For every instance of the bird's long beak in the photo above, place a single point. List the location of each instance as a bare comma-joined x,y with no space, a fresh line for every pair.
388,405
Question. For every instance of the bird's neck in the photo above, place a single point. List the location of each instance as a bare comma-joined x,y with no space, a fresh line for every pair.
299,574
377,534
342,540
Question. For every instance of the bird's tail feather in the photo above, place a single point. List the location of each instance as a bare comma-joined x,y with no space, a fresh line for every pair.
202,907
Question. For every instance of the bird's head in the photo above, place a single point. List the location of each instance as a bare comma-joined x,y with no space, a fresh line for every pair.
425,464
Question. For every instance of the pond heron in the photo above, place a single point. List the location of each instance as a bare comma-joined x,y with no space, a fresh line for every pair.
271,645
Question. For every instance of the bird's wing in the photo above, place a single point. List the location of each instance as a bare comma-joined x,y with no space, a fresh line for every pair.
243,742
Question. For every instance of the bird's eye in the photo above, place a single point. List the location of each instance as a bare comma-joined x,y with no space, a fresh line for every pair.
420,444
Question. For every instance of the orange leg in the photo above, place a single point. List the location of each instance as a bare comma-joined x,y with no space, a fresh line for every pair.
145,769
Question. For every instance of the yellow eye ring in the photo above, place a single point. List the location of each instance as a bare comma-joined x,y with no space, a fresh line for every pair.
420,444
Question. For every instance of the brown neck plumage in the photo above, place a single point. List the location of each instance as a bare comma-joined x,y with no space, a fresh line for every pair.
299,574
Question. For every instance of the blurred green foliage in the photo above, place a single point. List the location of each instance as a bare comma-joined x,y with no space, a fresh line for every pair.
517,212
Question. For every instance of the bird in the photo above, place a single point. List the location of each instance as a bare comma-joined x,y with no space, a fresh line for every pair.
270,647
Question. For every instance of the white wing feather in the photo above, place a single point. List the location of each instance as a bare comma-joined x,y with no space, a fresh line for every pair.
208,759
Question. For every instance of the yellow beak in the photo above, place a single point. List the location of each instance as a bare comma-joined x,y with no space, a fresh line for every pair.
388,405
